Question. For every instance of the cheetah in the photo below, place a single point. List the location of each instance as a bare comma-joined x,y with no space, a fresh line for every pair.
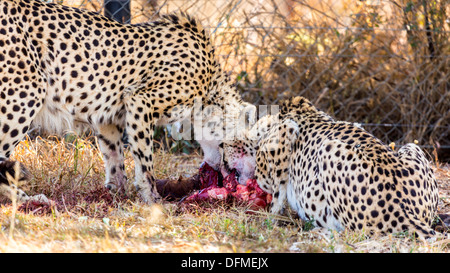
68,69
337,175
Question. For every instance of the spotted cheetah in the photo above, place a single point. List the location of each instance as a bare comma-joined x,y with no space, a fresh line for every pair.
63,68
336,174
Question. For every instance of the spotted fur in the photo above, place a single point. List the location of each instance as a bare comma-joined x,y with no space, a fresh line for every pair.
339,176
63,68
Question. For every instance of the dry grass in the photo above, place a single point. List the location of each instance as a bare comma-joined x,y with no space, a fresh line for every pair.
382,63
85,218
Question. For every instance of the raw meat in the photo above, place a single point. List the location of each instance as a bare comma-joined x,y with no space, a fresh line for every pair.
229,190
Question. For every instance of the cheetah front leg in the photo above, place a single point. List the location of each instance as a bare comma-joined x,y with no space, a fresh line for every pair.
111,146
275,182
278,197
277,151
140,126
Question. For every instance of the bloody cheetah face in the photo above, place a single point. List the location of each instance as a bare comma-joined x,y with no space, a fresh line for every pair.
215,125
240,156
264,152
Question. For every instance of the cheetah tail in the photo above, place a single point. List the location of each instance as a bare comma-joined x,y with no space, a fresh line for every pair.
422,230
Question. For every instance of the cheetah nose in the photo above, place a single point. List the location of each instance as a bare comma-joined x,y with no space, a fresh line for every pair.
110,187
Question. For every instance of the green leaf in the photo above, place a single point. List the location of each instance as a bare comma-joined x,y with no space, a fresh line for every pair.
409,7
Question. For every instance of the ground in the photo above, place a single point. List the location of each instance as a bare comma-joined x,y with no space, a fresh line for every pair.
88,219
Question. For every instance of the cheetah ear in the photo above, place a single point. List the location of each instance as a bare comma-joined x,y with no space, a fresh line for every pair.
295,103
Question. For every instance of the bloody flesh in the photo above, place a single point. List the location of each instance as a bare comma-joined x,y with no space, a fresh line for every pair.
213,190
208,186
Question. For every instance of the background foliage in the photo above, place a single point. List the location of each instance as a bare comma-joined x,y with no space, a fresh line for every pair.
381,63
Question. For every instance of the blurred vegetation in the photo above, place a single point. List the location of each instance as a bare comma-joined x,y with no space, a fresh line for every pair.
383,63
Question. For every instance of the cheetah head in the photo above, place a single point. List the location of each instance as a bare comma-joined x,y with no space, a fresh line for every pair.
271,136
257,156
239,154
218,126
